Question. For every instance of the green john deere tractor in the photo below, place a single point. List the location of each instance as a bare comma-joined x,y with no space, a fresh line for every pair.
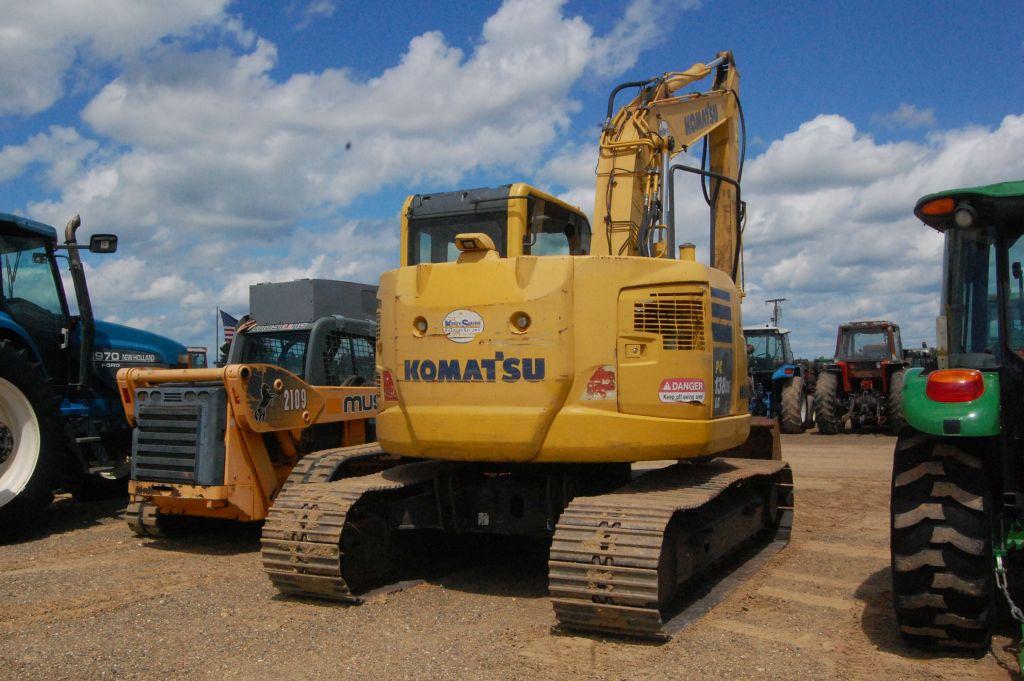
958,473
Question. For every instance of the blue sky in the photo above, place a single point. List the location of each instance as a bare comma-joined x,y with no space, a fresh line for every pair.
212,135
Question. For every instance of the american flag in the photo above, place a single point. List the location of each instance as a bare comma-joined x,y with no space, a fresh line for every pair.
229,323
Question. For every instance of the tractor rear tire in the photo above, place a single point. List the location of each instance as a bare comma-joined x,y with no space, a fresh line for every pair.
793,408
894,416
31,440
826,404
941,545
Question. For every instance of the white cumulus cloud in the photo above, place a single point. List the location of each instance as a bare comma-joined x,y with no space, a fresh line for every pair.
41,40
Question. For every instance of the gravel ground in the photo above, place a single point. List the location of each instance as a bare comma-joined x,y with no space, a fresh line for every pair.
88,600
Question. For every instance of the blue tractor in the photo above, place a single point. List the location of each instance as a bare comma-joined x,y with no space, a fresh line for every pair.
778,390
61,421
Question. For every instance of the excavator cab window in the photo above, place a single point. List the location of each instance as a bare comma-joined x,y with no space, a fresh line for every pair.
432,239
553,230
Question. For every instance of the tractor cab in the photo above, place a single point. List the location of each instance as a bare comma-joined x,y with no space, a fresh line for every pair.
982,321
33,306
980,329
512,220
868,342
767,348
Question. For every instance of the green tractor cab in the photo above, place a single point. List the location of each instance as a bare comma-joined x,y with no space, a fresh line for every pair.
957,494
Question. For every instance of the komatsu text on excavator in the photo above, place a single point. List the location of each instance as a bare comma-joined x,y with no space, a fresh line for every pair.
529,357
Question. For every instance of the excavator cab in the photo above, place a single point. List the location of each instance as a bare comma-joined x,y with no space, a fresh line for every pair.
518,219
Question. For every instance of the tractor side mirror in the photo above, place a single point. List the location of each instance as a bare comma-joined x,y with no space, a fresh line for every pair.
103,243
1016,270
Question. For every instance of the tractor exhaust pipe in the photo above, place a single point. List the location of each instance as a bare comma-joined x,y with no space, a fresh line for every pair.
88,322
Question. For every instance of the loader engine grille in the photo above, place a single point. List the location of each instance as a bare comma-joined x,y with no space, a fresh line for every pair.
178,435
677,317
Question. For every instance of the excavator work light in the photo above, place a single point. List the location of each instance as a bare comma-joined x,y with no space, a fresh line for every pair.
955,385
474,241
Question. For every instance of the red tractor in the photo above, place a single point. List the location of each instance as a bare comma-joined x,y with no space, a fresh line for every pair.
865,382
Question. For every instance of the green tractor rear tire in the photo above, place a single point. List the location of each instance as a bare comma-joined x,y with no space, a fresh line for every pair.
941,545
793,406
826,404
31,439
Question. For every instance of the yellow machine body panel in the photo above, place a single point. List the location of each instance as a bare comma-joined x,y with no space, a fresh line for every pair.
620,359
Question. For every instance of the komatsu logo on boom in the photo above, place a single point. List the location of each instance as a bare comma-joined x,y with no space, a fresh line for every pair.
489,370
701,119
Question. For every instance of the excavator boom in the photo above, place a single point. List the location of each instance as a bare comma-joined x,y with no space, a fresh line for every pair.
632,204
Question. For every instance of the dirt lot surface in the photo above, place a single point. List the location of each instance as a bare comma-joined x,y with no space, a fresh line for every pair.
88,600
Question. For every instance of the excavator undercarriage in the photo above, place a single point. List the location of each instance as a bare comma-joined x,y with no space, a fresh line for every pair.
623,546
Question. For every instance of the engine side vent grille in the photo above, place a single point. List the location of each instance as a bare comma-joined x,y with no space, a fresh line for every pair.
179,439
677,317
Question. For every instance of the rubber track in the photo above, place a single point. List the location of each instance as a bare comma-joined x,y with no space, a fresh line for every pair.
603,566
320,466
302,536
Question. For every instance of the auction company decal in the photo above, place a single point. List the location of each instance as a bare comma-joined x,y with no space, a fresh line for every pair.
682,390
462,326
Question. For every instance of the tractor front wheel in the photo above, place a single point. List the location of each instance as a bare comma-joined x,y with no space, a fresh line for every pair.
826,404
31,443
793,411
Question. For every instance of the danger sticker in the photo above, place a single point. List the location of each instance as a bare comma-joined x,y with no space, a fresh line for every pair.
681,390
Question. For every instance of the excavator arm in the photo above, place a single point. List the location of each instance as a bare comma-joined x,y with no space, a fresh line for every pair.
633,201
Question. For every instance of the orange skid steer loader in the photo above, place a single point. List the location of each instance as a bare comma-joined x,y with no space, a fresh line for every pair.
224,442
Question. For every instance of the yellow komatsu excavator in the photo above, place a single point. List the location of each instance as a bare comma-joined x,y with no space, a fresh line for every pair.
529,357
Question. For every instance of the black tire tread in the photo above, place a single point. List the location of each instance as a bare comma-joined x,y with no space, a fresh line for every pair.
826,404
941,547
895,419
790,420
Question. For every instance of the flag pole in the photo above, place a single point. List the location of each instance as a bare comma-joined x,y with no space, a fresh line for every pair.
216,329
